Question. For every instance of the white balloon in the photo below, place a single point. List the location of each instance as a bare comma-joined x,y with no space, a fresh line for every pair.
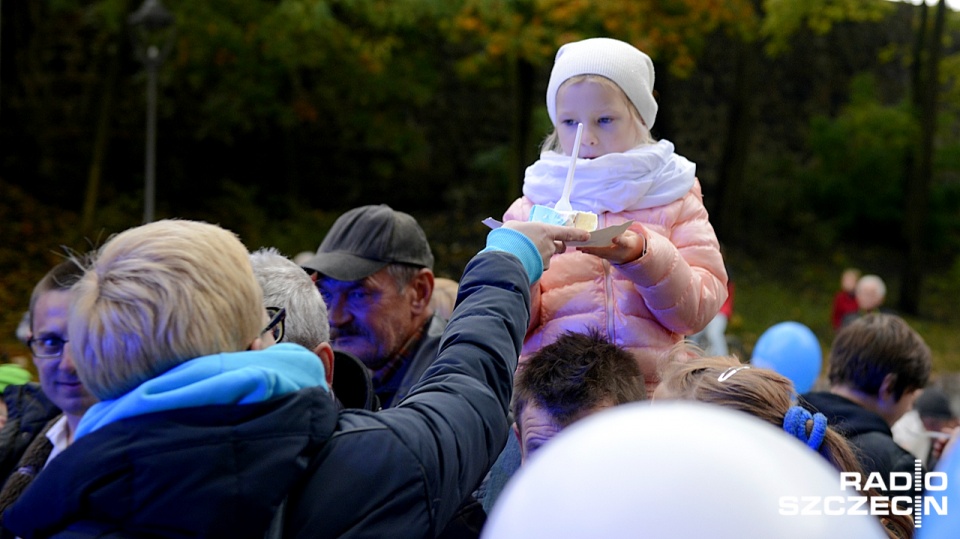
673,470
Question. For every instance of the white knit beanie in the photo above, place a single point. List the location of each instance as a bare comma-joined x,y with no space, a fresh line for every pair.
624,64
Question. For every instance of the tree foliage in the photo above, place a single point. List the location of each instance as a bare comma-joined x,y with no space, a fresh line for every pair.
856,182
532,30
326,104
300,61
785,18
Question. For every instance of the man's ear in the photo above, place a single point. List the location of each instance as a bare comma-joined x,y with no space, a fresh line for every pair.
422,287
886,388
257,344
516,432
325,352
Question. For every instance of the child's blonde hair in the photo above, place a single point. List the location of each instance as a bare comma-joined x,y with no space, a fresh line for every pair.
552,142
158,295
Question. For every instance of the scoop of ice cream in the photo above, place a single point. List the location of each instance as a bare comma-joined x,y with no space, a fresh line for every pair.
583,220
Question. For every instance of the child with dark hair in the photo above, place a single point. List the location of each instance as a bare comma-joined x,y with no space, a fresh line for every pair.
577,375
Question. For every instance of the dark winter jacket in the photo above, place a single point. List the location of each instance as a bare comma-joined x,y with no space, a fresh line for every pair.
28,411
222,470
867,431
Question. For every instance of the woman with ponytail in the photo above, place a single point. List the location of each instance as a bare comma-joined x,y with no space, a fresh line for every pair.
769,396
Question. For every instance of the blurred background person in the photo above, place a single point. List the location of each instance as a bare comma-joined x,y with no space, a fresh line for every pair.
845,300
870,293
931,418
444,297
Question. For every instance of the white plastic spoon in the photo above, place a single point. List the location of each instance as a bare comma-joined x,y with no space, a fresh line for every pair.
564,203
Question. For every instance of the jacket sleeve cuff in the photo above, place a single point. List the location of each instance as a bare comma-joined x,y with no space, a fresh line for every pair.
515,243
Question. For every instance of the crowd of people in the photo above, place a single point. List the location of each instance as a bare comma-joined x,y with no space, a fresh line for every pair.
191,388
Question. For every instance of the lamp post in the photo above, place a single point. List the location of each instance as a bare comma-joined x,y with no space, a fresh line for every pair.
153,30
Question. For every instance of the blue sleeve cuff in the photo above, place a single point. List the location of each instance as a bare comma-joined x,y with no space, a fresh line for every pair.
515,243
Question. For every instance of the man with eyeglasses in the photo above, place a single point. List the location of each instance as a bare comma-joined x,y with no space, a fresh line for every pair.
284,283
276,327
305,316
204,432
38,442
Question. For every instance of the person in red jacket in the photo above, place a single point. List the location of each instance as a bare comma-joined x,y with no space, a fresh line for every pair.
845,302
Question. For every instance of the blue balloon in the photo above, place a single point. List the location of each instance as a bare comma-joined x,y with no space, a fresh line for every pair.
936,522
791,349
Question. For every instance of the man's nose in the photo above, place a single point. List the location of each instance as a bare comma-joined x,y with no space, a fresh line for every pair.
337,312
66,361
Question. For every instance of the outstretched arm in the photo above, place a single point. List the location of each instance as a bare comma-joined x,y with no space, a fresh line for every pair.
463,399
411,466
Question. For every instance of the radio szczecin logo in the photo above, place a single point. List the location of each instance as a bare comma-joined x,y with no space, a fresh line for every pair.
914,494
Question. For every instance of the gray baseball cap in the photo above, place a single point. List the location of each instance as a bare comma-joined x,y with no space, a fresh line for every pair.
365,239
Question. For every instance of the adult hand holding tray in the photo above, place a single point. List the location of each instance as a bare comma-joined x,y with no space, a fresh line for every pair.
598,238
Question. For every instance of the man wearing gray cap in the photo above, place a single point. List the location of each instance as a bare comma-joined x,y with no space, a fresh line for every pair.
375,271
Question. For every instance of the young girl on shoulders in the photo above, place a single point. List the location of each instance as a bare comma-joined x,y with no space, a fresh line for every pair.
661,279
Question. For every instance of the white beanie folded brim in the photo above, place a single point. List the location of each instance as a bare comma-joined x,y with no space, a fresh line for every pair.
624,64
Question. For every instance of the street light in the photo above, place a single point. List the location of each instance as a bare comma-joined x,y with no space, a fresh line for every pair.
153,30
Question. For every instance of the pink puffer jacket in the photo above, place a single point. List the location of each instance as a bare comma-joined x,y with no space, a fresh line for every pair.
647,305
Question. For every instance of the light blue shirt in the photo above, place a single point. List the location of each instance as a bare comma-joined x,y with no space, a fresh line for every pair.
229,378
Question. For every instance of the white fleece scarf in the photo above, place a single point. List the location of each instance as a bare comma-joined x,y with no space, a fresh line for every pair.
644,177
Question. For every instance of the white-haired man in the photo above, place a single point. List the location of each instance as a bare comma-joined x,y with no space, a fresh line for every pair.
870,294
286,286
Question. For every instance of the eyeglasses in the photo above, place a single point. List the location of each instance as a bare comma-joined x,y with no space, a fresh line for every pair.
277,316
47,347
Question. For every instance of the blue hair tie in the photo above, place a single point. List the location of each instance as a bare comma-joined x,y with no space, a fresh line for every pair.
795,423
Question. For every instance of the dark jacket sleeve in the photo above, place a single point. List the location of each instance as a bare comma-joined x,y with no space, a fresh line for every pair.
403,472
28,411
